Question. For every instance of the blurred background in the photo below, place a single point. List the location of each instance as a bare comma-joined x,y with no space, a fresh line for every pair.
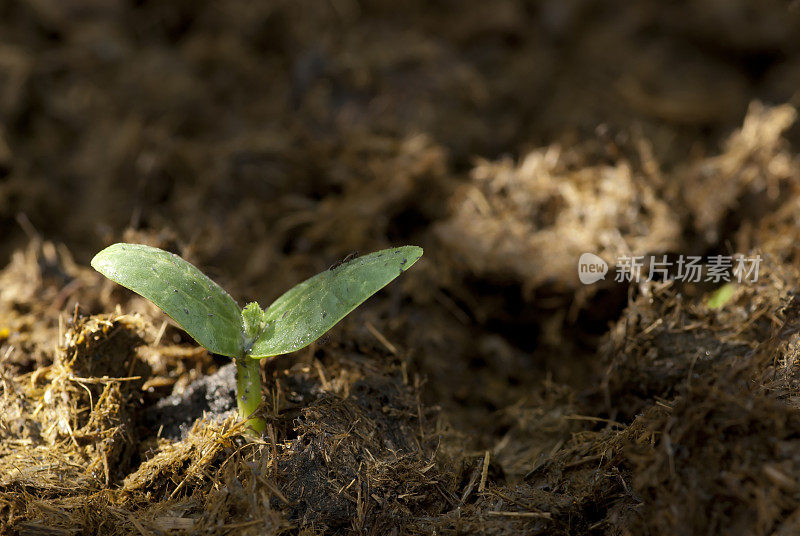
264,120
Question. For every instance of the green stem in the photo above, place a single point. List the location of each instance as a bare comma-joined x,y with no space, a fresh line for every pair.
248,392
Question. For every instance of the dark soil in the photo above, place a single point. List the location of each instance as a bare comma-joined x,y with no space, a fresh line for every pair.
214,395
486,391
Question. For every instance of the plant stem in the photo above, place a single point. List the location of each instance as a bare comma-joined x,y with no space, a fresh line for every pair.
248,392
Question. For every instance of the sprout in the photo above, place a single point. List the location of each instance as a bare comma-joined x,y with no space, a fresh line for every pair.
213,319
721,296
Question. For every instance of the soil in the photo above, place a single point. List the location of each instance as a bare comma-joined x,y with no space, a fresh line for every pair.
486,391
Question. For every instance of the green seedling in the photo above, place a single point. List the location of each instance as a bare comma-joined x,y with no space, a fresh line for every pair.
721,296
214,319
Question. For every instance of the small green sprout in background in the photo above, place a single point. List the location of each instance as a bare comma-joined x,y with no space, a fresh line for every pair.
212,318
721,296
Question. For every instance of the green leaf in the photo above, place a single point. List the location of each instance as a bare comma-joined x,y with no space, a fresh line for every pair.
253,323
195,302
721,296
306,312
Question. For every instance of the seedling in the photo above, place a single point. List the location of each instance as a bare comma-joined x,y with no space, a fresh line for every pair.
212,318
721,296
